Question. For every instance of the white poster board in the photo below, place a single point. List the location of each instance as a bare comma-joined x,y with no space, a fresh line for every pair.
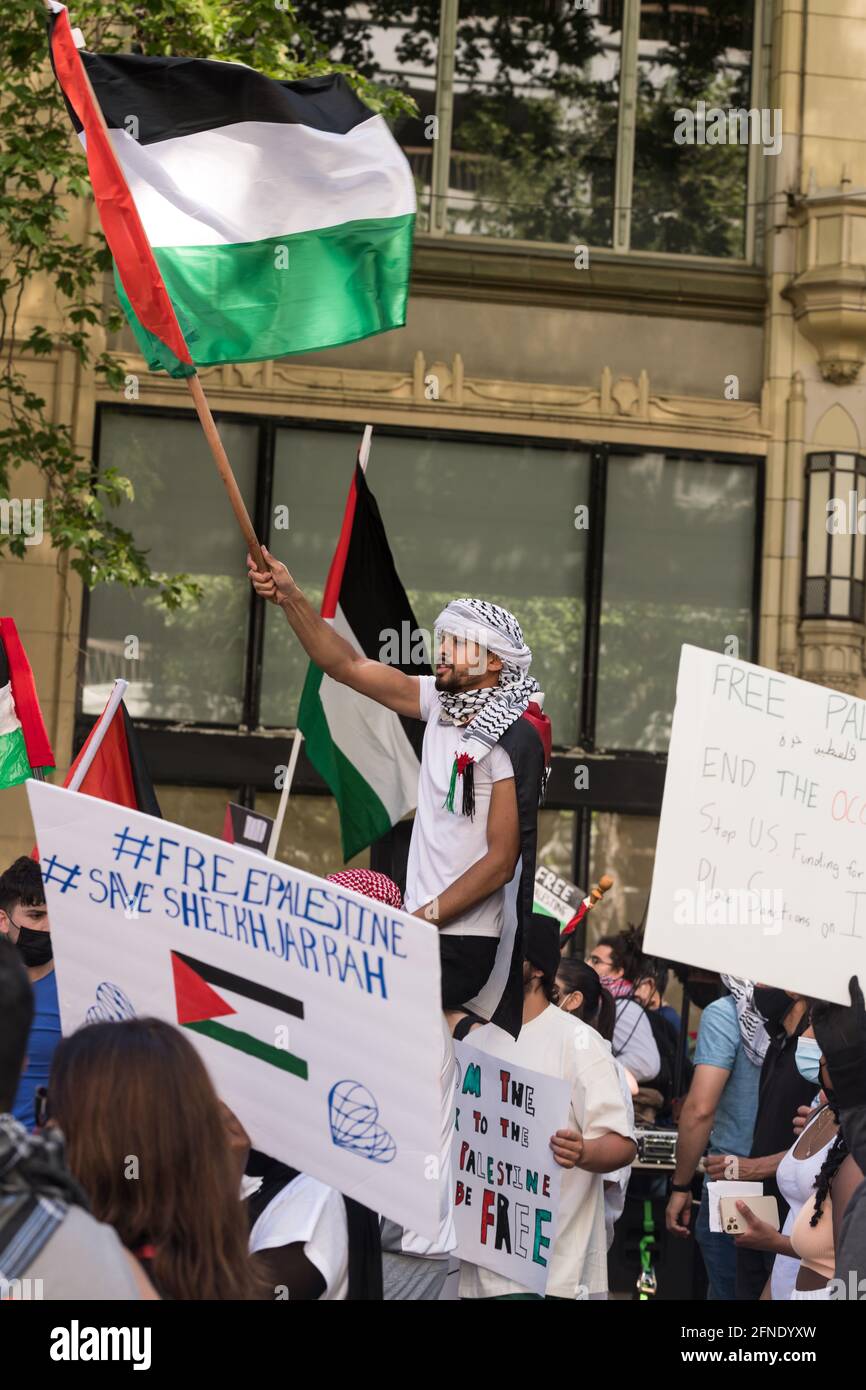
760,867
316,1011
507,1181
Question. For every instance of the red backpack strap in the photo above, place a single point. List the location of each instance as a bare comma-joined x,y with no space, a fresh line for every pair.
540,722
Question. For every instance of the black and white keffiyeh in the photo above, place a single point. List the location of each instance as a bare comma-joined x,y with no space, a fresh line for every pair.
495,708
36,1191
754,1035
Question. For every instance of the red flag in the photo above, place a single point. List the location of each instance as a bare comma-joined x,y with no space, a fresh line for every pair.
25,699
118,772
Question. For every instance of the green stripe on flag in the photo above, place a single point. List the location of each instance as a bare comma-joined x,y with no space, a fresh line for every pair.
253,1047
363,817
14,764
250,301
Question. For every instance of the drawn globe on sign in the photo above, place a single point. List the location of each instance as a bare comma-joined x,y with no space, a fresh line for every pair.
112,1005
354,1119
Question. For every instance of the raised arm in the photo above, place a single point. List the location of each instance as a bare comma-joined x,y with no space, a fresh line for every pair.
331,652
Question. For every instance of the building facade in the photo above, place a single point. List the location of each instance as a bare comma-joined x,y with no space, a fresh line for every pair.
627,390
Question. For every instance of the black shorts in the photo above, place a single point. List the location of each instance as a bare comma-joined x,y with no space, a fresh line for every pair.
467,962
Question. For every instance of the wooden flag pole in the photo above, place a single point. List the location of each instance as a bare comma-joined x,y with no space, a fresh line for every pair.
224,468
363,458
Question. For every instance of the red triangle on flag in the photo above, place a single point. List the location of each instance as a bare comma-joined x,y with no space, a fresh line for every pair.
196,1000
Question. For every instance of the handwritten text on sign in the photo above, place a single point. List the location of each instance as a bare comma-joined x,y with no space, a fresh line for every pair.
760,866
506,1178
291,988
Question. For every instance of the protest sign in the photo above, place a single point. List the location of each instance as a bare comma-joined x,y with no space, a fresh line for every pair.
556,896
507,1181
760,865
315,1010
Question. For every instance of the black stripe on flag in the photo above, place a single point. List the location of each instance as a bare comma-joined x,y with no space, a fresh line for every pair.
372,596
224,979
145,796
170,97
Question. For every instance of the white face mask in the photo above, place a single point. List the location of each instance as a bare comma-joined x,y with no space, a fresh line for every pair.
809,1060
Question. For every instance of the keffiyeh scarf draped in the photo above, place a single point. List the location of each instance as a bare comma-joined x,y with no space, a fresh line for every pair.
36,1191
755,1038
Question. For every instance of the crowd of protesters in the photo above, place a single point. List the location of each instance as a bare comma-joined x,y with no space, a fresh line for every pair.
124,1176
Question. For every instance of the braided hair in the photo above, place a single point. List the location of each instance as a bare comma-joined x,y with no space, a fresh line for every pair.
832,1163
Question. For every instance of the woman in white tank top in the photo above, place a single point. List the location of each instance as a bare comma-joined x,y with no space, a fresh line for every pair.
796,1176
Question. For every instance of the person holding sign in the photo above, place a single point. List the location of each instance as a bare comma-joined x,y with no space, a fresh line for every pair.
471,862
597,1138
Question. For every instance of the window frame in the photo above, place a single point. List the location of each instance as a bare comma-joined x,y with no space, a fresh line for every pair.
621,779
620,244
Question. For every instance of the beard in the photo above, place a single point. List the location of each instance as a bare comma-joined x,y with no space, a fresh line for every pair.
450,680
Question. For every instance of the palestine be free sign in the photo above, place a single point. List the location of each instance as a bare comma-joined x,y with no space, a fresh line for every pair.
315,1010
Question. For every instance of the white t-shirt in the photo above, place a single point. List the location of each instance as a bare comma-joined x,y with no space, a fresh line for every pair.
560,1045
614,1195
308,1211
407,1242
446,843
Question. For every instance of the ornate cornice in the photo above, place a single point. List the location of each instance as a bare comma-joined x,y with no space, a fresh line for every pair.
442,395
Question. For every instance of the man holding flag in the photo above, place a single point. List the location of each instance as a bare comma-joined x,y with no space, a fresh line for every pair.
472,855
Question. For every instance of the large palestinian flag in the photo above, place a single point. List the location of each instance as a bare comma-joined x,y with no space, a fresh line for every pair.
24,743
368,755
247,218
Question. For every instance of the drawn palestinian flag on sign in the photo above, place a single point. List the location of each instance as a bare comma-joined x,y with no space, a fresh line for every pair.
199,1006
23,741
250,217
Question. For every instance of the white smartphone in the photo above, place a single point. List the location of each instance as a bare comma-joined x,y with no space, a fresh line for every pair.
734,1223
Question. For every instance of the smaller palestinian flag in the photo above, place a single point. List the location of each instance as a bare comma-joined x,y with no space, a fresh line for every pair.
118,772
24,745
369,756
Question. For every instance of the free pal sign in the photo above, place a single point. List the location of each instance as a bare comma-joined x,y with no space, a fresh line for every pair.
760,865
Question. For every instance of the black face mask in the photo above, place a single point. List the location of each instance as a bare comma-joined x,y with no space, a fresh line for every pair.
34,946
702,993
772,1004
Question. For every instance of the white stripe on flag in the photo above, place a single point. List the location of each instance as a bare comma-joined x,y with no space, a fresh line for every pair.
259,179
371,737
9,720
